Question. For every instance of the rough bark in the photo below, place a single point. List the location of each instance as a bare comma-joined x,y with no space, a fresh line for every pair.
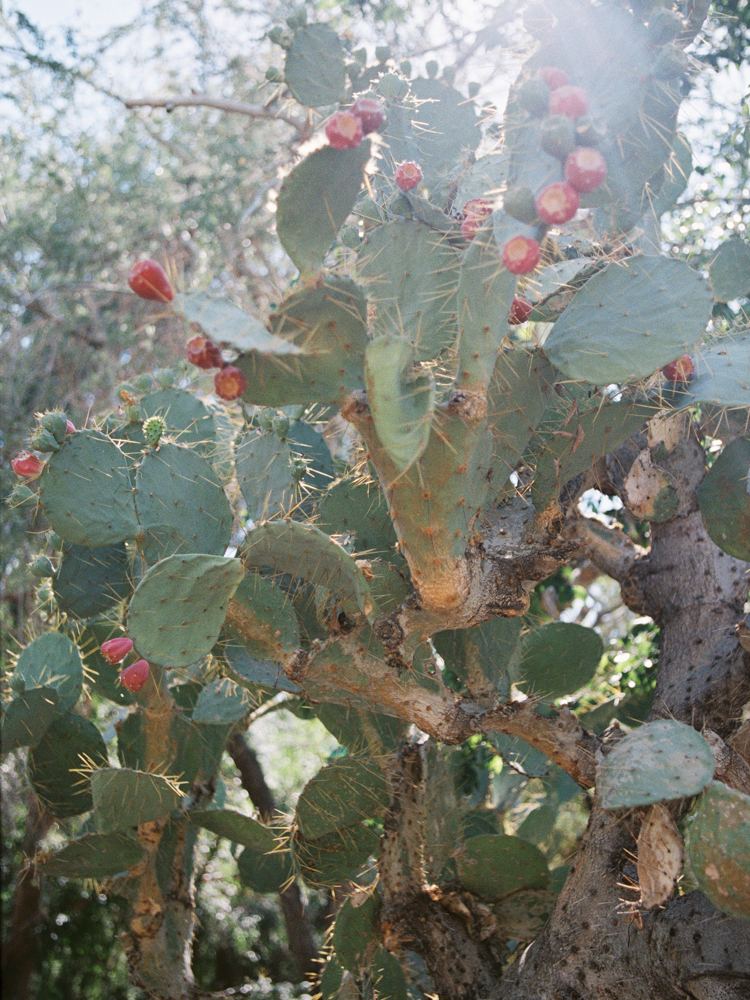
301,941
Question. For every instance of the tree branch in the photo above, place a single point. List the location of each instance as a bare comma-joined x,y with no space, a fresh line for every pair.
221,104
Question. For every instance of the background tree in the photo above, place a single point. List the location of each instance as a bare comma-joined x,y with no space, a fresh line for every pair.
333,832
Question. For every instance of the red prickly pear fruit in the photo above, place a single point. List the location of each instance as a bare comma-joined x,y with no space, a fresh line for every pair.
230,382
370,112
476,213
408,175
557,203
26,465
344,130
570,101
553,77
585,169
521,254
534,96
135,676
519,203
70,427
149,280
681,370
115,650
520,310
203,353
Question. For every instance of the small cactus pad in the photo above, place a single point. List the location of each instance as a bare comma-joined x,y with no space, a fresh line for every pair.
558,659
730,270
26,718
493,866
179,607
340,793
52,660
186,419
722,375
445,127
89,581
264,475
718,847
315,200
401,398
314,69
352,506
125,798
355,932
481,657
261,617
659,761
724,501
305,551
629,320
95,855
86,491
227,324
265,871
60,762
235,826
336,857
221,703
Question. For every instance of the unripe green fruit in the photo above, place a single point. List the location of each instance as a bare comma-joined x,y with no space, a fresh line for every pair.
133,413
54,541
405,67
349,236
164,378
278,36
392,85
558,135
281,425
432,69
42,567
298,469
449,75
143,383
298,19
274,75
361,56
42,440
57,424
265,420
534,96
22,494
519,203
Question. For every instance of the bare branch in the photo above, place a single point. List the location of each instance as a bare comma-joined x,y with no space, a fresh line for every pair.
221,104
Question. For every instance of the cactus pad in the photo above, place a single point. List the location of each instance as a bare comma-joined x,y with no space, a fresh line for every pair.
222,702
314,69
718,847
336,857
95,855
558,659
265,872
89,581
342,792
125,798
60,762
724,501
52,660
264,475
26,718
493,866
730,270
235,826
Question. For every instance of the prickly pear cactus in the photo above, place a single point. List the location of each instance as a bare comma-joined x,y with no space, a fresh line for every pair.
379,578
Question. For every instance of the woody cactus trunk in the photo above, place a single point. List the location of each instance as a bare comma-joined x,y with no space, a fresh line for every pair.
358,534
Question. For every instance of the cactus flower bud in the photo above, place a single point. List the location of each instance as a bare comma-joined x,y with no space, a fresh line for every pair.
115,650
27,465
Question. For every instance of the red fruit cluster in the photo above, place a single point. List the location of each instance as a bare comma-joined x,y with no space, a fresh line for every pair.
408,175
115,650
585,169
149,280
521,254
681,370
570,101
476,212
344,130
520,310
203,353
230,383
370,112
557,203
26,465
135,676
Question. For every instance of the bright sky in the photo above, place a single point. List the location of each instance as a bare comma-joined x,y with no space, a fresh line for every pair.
96,15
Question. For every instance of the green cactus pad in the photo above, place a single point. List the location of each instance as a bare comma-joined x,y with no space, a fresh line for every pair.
659,761
89,581
411,276
222,702
729,271
264,872
226,324
724,501
519,393
261,617
315,200
355,933
487,175
264,475
329,324
630,319
559,658
86,491
718,848
305,551
253,672
95,855
361,731
309,445
179,607
342,792
60,762
181,505
330,981
354,506
485,295
483,657
125,798
445,126
335,858
495,866
519,755
26,718
722,375
186,419
235,826
677,171
314,69
52,660
199,750
401,398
